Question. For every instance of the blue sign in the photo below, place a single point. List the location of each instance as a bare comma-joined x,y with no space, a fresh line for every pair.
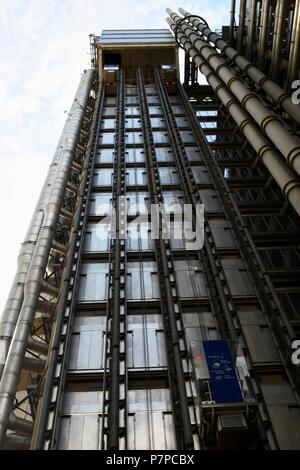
225,385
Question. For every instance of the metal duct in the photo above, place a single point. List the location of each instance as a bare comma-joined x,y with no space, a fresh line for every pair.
16,295
286,143
284,176
273,90
39,261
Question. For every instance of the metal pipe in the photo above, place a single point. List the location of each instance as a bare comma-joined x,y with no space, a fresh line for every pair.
20,425
32,364
15,298
277,93
283,175
232,22
263,35
16,442
44,306
240,38
45,400
286,143
277,38
294,56
62,249
38,346
16,295
251,30
34,281
49,288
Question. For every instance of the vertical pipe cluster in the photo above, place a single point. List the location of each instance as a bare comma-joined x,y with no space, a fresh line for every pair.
263,34
241,113
280,16
49,394
16,295
294,57
232,22
276,93
39,261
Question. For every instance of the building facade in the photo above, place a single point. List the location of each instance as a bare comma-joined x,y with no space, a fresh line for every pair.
108,332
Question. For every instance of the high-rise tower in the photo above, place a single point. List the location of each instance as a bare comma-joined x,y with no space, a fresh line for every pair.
120,331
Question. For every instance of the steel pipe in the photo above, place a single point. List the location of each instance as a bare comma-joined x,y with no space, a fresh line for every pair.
294,56
20,425
240,38
273,90
35,277
38,346
284,141
283,175
263,35
16,442
251,30
49,288
277,39
232,21
16,295
32,364
52,359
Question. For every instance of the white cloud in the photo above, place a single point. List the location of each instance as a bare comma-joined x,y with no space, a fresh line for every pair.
44,47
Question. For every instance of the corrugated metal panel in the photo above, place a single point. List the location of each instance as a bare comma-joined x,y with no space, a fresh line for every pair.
136,36
150,423
258,337
284,413
88,343
135,155
139,236
93,282
136,176
237,277
137,202
168,175
105,156
142,280
103,177
222,233
97,237
100,204
145,342
80,427
190,279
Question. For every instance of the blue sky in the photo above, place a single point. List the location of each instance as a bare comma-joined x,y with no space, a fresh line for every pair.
44,47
